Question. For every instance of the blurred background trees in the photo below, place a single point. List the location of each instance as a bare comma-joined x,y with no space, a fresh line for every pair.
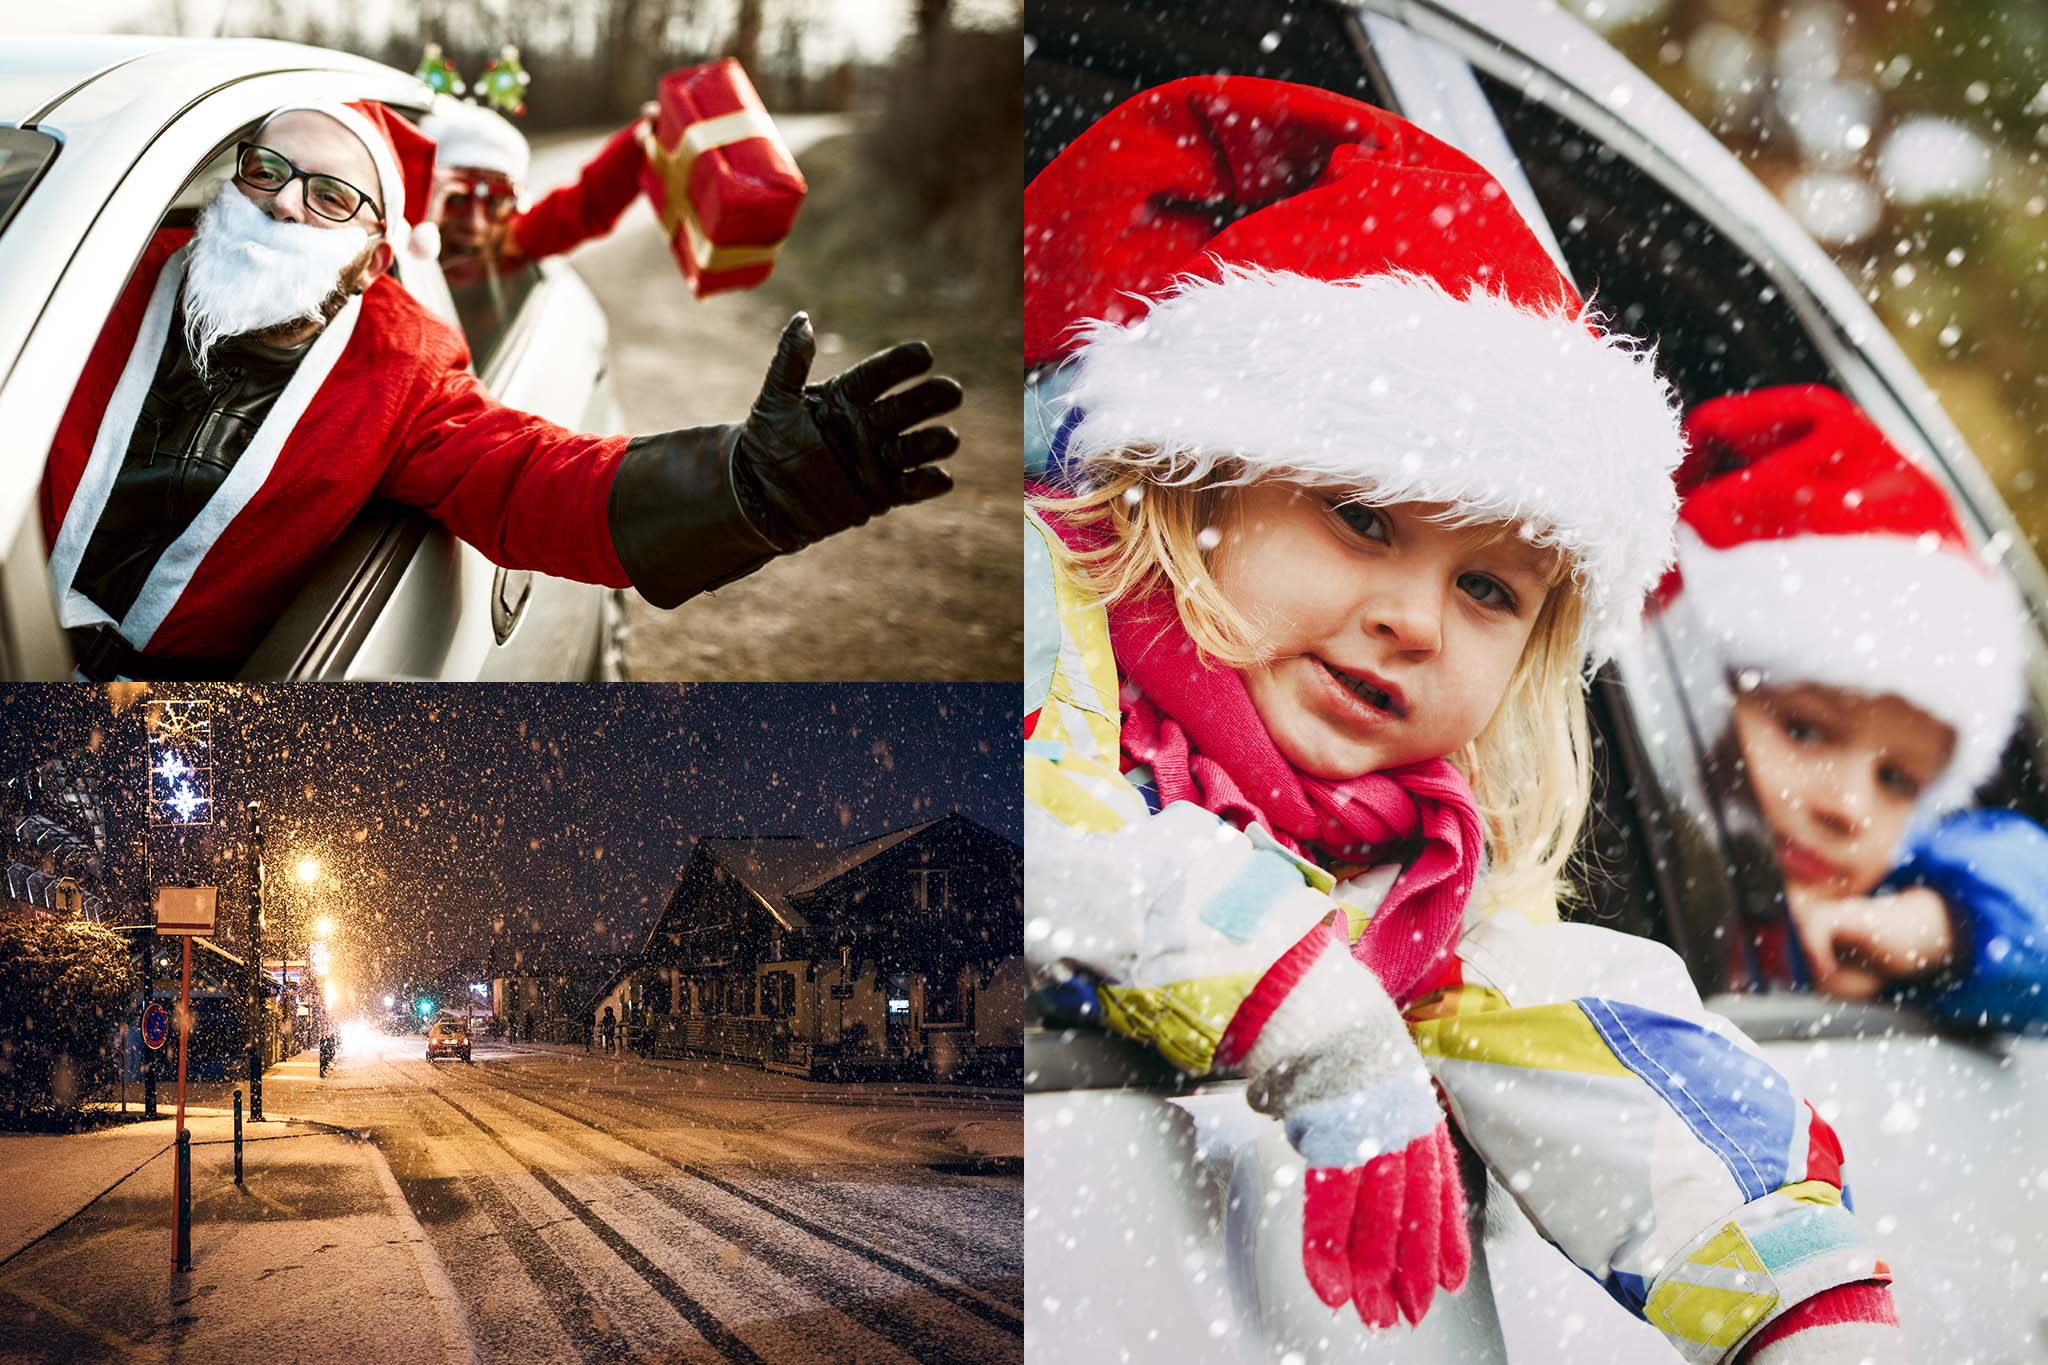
1908,136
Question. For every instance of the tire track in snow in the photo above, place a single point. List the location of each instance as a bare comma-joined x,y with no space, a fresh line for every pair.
923,1326
1003,1316
928,1099
568,1299
885,1139
721,1338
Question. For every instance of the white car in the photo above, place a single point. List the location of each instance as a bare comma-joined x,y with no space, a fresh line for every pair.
102,140
1143,1237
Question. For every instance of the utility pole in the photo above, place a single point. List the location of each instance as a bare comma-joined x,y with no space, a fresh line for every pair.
257,1009
149,995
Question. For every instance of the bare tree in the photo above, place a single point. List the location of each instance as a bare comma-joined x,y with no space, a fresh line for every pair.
745,46
933,17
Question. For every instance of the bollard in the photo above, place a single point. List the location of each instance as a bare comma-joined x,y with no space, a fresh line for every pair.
181,1247
238,1136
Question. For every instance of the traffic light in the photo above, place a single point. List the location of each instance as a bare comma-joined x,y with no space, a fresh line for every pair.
426,1008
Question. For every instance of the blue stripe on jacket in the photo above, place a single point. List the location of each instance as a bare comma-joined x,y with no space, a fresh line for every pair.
1733,1103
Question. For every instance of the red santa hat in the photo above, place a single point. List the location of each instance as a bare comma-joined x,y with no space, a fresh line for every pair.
1271,279
1812,551
404,158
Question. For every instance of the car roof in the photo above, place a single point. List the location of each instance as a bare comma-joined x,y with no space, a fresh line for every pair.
38,74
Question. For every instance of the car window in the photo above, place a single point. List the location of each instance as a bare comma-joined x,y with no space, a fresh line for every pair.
1814,811
24,154
1082,58
489,311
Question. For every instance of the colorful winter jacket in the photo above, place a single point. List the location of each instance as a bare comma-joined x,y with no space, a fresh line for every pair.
1644,1136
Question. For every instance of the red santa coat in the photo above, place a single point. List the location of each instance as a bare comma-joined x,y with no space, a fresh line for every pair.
590,207
382,406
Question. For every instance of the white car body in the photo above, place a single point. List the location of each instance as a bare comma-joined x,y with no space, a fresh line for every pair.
1163,1221
136,122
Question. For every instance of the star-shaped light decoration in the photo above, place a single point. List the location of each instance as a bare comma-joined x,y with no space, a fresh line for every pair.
181,762
186,802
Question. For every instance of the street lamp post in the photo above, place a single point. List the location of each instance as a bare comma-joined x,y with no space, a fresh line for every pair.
256,1003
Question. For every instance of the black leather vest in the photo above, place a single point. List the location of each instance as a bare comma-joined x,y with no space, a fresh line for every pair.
188,436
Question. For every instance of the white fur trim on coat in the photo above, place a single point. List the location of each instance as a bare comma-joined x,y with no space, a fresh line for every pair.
1391,385
1877,615
180,560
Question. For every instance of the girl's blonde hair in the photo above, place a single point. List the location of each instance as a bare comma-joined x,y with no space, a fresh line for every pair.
1530,768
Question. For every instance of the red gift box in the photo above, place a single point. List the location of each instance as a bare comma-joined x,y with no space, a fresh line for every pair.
721,179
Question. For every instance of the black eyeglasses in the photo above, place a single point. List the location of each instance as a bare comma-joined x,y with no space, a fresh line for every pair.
327,195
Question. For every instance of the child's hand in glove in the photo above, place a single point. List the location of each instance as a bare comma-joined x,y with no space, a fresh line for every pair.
1328,1053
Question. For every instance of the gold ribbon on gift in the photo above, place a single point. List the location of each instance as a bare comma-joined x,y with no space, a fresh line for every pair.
674,167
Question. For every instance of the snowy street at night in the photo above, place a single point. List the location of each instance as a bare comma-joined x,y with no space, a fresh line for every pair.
573,1206
557,1024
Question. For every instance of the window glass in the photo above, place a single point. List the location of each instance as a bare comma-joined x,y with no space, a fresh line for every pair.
24,154
1082,58
1851,665
943,998
487,310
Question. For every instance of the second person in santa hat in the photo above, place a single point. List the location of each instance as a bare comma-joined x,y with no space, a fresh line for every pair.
480,185
1877,673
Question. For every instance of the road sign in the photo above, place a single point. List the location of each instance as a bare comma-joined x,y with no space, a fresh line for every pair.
156,1025
68,894
186,910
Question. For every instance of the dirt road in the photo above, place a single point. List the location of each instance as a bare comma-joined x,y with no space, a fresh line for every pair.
925,593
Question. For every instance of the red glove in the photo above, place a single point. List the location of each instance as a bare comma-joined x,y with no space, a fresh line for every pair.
1384,1220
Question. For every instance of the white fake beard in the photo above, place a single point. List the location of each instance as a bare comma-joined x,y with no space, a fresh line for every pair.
247,272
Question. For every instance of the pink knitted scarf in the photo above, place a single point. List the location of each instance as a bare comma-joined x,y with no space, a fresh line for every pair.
1197,730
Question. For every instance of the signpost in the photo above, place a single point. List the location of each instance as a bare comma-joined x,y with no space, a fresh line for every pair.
185,912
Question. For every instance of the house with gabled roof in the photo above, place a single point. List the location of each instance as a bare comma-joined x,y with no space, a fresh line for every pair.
895,954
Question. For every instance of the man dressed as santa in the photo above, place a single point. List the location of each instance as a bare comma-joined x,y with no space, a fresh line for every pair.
265,375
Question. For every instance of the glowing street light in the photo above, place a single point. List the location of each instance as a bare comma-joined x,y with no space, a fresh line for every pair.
324,926
389,1001
309,869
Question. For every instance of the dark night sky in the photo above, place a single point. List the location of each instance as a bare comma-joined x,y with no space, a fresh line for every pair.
441,815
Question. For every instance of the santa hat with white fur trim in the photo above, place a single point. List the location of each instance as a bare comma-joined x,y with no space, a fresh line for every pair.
1812,551
471,137
1275,281
404,158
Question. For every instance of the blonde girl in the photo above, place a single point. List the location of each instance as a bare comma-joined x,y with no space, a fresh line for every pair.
1347,491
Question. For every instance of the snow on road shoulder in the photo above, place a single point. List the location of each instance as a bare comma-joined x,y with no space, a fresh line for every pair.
313,1226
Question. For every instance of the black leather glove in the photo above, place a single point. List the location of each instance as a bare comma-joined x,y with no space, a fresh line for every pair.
692,510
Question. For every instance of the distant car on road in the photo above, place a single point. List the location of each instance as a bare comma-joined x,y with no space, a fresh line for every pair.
103,141
447,1038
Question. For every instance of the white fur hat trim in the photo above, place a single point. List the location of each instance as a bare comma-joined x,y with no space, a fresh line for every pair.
471,137
1878,615
1391,385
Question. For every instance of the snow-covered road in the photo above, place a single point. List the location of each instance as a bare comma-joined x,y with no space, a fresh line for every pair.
591,1209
